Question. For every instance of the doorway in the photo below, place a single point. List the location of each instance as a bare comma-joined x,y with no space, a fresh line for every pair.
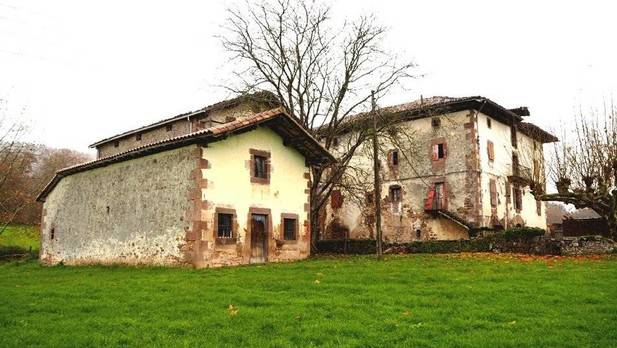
259,237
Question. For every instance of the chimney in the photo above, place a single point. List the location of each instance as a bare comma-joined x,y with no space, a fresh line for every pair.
521,111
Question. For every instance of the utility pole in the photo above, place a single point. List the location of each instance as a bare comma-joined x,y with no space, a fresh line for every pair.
377,181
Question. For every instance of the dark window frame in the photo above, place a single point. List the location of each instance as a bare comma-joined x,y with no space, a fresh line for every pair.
117,143
489,123
138,137
169,127
265,155
395,198
394,157
296,229
234,226
517,200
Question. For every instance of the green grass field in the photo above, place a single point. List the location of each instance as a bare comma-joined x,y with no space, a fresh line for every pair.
19,239
413,300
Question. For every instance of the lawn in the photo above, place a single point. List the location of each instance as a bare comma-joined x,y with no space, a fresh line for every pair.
414,300
19,239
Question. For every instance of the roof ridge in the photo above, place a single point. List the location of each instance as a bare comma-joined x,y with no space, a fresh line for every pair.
211,107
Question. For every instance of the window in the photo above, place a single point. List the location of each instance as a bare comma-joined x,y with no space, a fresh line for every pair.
435,197
260,166
518,198
116,143
138,137
488,122
107,209
418,234
290,228
439,151
439,195
394,157
224,225
395,198
259,163
436,122
493,190
169,127
491,150
52,234
336,199
515,166
395,194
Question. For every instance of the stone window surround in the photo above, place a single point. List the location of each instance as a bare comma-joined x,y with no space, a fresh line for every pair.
437,141
261,153
297,229
234,226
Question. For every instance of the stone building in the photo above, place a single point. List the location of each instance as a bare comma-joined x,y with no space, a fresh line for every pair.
224,185
471,168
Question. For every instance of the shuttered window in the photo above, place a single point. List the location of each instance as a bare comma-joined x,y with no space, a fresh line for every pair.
336,199
439,151
491,150
493,191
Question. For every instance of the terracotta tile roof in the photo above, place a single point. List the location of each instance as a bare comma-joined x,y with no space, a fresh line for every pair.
436,105
211,133
264,97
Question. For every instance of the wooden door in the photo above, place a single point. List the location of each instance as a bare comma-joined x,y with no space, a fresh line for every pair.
259,233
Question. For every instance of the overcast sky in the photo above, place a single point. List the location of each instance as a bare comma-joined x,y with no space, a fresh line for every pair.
85,70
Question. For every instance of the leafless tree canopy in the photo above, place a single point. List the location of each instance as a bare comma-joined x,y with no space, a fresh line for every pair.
584,165
320,72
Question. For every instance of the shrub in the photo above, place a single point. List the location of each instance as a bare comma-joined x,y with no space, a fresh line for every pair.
523,233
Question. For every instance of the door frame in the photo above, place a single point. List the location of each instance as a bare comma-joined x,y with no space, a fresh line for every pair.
268,233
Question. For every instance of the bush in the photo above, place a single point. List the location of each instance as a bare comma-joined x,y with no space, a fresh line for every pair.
523,233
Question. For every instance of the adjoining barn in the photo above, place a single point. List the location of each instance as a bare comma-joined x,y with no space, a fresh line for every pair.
228,193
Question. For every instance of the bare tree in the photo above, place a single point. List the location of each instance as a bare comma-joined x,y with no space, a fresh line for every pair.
322,74
584,166
13,159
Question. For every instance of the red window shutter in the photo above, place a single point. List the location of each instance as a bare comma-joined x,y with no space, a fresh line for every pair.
491,150
336,199
430,197
445,150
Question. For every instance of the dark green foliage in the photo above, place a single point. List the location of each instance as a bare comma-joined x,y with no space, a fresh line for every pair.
405,301
523,233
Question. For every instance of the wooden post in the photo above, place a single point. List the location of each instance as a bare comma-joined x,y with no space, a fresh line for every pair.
377,181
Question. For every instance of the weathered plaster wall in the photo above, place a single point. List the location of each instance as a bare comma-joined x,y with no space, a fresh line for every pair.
225,183
179,127
466,172
129,212
408,221
530,154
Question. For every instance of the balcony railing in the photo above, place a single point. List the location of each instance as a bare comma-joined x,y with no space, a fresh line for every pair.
521,174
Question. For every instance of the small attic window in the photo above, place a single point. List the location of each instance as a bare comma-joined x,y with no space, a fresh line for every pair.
169,127
436,122
138,137
52,234
116,143
488,122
